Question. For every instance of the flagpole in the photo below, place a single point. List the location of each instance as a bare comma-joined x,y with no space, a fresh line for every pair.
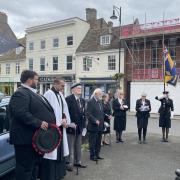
163,56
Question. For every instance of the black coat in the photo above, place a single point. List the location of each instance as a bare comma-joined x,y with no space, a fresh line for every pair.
95,112
27,111
107,112
142,116
165,112
77,114
119,115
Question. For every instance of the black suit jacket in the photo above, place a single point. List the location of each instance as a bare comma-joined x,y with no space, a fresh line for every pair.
138,105
116,108
77,115
27,111
95,112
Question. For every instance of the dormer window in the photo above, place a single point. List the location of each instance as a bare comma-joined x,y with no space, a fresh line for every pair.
19,49
105,40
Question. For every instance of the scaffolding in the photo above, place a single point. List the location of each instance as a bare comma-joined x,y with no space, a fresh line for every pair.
144,44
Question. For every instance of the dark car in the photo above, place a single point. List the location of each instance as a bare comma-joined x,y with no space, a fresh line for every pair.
7,156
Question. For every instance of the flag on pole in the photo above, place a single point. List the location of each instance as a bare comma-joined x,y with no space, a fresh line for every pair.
171,75
7,43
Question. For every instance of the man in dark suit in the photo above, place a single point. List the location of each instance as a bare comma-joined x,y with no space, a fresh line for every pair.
29,111
76,106
143,107
95,126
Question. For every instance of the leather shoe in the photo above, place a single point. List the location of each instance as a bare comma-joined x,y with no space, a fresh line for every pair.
69,168
100,158
177,172
93,159
80,165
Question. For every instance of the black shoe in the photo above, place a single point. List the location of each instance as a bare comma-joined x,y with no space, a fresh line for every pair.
69,168
166,140
93,159
117,141
80,165
177,172
121,141
100,158
162,140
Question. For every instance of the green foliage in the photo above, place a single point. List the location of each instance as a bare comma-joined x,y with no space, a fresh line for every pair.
118,76
85,147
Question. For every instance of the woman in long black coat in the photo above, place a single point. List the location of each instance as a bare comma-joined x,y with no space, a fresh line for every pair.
143,107
165,114
119,110
107,118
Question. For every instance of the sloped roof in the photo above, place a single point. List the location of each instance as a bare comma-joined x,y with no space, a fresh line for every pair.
11,54
91,42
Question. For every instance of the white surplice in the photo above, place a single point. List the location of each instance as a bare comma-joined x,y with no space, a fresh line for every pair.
52,99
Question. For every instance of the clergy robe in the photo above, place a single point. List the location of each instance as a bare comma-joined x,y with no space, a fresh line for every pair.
52,167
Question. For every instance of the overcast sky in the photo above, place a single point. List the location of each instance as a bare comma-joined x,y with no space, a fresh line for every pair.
27,13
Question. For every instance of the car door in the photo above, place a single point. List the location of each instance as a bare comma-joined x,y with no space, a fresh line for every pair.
7,156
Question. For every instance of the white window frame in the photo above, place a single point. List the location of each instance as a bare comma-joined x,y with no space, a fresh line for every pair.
31,65
111,62
87,63
55,63
43,44
69,41
67,63
105,40
17,68
31,46
57,43
42,65
8,68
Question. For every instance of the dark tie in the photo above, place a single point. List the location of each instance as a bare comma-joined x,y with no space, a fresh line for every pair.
79,104
99,103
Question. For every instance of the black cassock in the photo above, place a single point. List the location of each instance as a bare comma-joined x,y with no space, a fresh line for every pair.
165,112
119,116
54,169
142,116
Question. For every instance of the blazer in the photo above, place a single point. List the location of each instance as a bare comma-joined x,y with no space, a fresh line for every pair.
27,111
77,115
95,112
116,108
138,105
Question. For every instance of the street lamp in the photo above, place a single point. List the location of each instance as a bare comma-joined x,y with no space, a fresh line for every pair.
118,10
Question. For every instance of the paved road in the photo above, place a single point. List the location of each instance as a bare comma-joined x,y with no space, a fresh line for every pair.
132,161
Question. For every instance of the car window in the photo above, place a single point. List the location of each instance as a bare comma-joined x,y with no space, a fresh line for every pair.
4,119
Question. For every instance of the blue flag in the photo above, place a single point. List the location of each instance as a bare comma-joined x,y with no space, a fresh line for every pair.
7,43
171,75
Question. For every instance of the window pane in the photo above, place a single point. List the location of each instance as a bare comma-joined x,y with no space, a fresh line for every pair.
111,62
17,68
56,42
31,64
69,62
42,64
31,46
55,63
7,68
70,40
87,63
43,44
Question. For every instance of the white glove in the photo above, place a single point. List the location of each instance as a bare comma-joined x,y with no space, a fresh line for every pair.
84,131
172,114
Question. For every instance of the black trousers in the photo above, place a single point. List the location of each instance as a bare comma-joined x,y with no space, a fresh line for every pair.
95,143
27,162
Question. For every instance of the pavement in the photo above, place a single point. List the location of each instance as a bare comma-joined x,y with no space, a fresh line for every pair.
132,161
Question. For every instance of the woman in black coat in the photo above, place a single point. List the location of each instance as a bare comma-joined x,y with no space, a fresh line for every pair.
107,118
119,107
143,107
165,114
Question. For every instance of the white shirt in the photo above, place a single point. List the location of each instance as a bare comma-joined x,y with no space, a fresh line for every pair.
30,88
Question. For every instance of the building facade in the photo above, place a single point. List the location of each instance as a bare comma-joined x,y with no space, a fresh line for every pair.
97,57
144,59
51,50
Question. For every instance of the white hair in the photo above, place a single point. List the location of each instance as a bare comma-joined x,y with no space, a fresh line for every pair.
97,90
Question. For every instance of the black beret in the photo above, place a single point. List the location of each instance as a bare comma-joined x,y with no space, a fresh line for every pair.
75,85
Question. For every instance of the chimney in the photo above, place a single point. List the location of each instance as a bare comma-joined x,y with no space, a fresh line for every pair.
3,17
110,26
91,15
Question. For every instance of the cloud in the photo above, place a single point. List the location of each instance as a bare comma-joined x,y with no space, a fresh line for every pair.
27,13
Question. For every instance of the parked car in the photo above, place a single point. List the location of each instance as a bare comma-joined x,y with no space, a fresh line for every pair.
5,100
7,155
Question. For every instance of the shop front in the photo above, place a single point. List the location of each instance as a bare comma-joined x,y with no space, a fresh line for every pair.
90,84
46,82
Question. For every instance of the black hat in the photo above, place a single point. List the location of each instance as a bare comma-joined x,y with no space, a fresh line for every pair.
75,85
45,141
165,92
